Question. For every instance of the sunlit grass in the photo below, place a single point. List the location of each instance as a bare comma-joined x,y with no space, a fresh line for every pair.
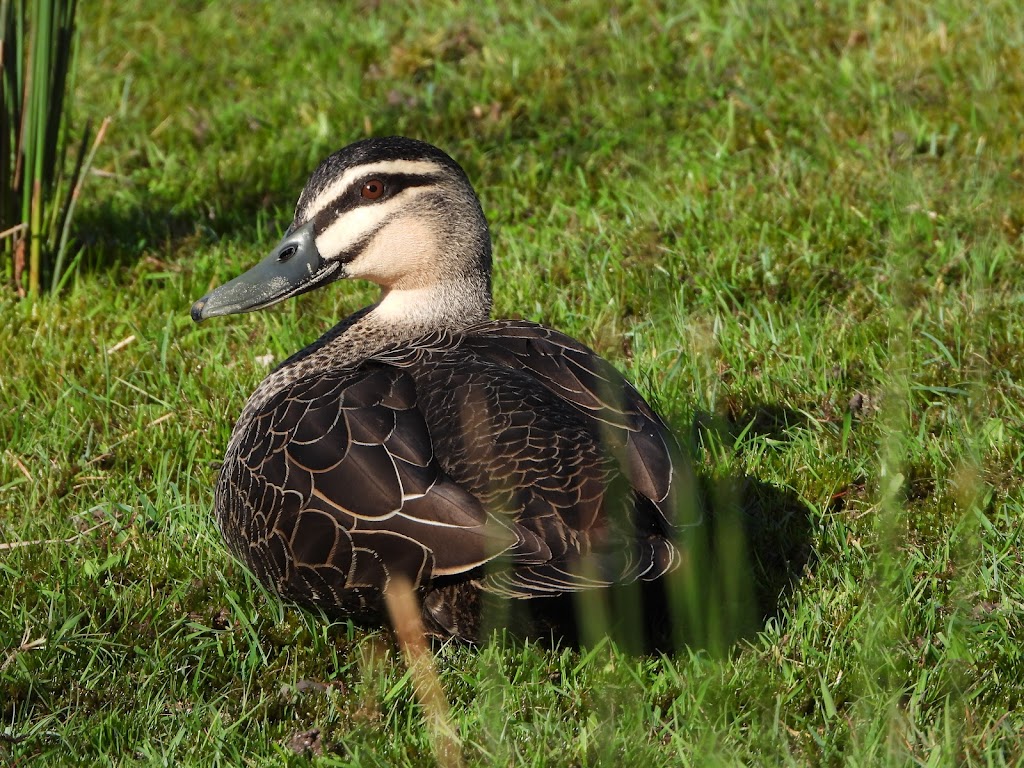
798,229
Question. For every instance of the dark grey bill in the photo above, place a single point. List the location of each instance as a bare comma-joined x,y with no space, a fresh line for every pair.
293,267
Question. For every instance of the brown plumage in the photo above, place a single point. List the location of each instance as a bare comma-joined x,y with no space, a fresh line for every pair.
418,438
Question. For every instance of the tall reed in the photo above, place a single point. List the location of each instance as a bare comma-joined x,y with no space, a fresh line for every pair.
38,186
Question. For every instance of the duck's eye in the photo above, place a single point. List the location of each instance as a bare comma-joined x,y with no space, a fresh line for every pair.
372,189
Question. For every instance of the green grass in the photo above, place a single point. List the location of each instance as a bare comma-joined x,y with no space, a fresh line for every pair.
797,226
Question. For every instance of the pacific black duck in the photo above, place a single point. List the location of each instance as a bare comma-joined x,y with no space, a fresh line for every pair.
475,457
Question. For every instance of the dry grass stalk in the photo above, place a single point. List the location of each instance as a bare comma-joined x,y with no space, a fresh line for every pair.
404,611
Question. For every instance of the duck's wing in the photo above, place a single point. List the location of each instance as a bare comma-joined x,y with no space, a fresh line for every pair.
333,489
629,427
550,437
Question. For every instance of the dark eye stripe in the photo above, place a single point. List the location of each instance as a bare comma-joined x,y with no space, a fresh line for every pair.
394,183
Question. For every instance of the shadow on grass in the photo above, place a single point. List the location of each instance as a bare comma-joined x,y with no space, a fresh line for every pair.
755,546
114,235
738,569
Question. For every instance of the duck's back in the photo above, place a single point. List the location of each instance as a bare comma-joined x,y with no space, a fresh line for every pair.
507,457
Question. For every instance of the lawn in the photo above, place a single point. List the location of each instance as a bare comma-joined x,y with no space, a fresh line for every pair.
799,227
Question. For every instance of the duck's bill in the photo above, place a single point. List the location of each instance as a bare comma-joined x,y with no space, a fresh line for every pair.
293,267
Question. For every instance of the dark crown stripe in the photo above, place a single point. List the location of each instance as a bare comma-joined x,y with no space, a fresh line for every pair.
349,199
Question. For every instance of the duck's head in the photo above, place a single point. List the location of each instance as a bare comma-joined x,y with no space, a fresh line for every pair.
396,211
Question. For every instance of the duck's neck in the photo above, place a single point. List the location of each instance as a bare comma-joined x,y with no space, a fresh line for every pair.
448,305
401,315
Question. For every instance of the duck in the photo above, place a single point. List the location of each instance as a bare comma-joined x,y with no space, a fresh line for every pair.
420,441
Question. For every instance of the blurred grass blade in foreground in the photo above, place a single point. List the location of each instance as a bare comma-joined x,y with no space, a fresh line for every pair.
37,194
